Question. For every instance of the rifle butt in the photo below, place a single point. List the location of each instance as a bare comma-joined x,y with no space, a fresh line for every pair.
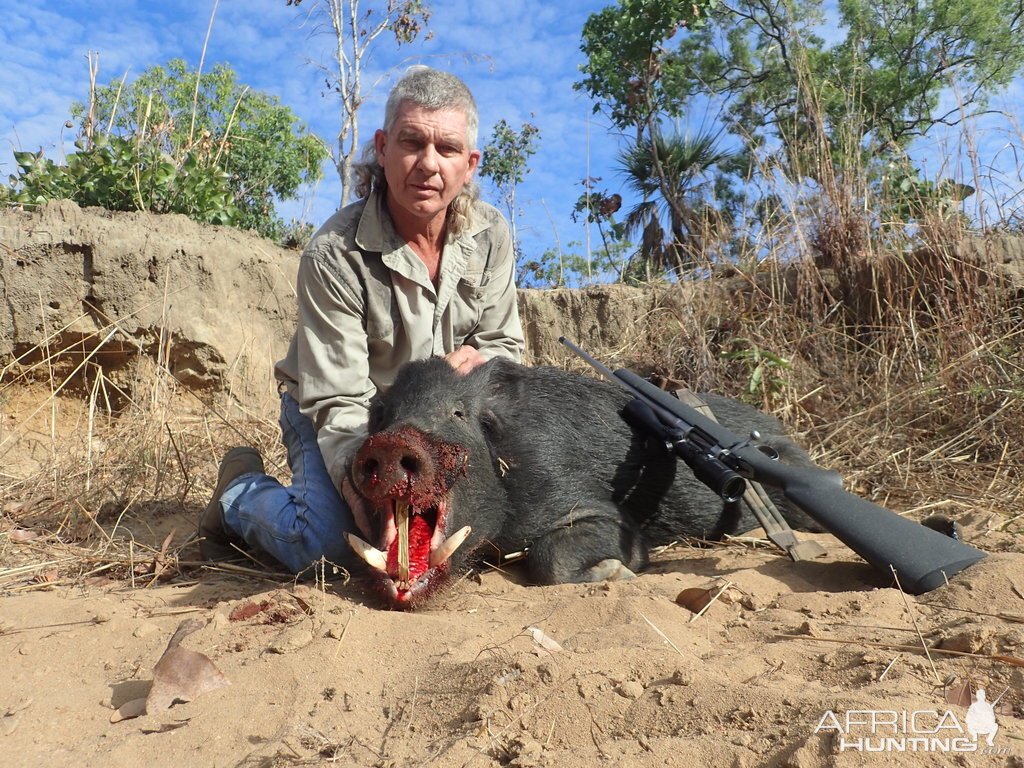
921,558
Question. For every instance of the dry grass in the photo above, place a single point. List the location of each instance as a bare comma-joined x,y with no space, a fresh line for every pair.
904,344
96,487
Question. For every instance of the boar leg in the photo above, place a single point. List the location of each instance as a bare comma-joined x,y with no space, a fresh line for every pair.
589,544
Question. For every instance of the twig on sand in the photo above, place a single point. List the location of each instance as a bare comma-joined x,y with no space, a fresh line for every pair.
1015,618
714,597
344,631
913,619
1013,661
663,635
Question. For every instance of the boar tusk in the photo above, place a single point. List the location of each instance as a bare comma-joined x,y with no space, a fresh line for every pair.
402,523
448,546
373,557
437,537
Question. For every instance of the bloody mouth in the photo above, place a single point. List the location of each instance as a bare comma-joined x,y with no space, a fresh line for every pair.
413,551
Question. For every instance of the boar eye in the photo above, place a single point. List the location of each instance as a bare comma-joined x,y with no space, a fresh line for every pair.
458,414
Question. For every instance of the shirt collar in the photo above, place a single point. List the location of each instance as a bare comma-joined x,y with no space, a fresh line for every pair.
376,232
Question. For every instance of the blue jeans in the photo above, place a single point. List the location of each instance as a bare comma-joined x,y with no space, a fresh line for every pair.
300,523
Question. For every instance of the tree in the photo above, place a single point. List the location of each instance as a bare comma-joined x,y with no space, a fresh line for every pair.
261,146
629,72
570,268
876,89
673,237
600,207
635,80
505,160
355,33
833,94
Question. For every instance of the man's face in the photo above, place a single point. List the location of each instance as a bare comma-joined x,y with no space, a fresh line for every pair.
426,161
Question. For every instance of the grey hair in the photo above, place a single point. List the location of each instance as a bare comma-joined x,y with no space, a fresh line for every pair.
431,89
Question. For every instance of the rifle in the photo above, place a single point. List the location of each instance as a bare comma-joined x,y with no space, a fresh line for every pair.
921,558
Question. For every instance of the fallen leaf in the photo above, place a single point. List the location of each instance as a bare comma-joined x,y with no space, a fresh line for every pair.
162,568
543,641
20,534
181,674
960,695
694,598
128,710
15,508
306,607
698,598
47,576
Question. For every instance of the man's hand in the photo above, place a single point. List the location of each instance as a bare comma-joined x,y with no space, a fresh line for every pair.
465,359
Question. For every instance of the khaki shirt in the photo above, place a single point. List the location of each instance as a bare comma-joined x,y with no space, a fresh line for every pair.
367,306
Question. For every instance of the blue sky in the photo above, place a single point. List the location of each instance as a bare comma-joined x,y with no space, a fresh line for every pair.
519,58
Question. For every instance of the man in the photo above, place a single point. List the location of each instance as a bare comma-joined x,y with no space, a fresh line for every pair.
419,267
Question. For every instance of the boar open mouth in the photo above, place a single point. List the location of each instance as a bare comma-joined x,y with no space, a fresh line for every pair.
414,551
407,477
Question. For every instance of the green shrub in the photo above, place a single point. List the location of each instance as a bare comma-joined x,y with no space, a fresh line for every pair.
124,174
177,141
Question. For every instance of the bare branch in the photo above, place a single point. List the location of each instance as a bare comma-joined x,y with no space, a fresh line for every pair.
356,30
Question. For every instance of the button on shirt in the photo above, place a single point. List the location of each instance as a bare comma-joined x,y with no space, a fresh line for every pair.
367,306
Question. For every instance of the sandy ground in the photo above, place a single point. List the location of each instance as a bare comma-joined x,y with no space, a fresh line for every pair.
499,673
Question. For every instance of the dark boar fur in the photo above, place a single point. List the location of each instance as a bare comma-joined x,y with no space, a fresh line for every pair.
533,459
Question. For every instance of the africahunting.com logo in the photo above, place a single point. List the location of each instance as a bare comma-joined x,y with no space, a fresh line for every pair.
879,730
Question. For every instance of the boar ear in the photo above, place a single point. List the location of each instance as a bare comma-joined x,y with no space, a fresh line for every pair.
503,396
506,385
492,425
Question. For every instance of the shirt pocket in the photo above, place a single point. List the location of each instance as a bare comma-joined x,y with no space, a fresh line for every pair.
473,283
470,299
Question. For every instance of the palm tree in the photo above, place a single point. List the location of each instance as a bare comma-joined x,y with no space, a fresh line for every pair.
671,176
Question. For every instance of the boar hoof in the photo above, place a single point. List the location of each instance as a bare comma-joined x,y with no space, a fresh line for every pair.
608,570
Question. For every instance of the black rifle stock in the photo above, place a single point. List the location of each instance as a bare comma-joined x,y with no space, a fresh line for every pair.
922,558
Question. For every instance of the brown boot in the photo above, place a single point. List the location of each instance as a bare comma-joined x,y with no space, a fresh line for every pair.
215,541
